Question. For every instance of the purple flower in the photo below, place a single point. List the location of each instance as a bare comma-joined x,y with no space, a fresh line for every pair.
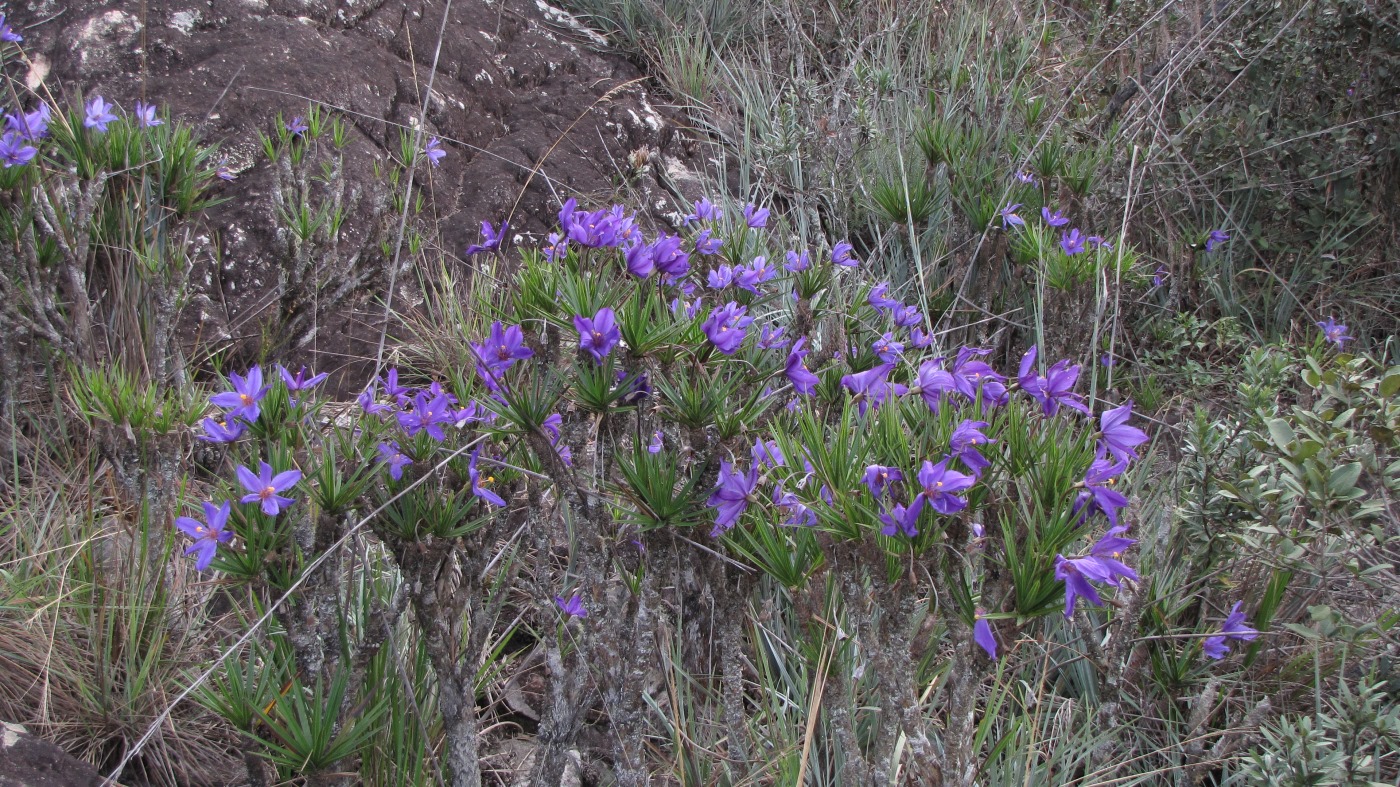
1072,242
474,476
99,114
888,348
558,246
244,398
299,382
428,415
870,389
503,347
796,371
7,33
841,255
31,126
264,487
599,229
704,211
490,238
932,382
918,339
755,216
433,150
14,152
796,263
390,455
669,257
908,316
640,262
551,426
573,607
982,633
1102,564
599,335
1055,389
1160,275
399,393
963,445
637,388
726,327
1027,178
654,447
704,244
969,374
297,126
941,486
225,431
767,454
880,300
224,171
1335,332
207,535
1097,242
771,338
146,115
731,496
1098,494
878,478
720,277
757,272
797,514
899,519
1009,218
1055,219
1115,434
1234,628
1216,238
367,402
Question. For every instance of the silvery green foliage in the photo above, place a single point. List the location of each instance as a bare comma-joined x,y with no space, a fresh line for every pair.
1350,744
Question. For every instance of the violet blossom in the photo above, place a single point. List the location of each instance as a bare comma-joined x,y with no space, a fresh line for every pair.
99,114
941,486
390,455
982,633
901,519
207,535
1055,219
265,487
1335,332
870,389
796,371
490,238
1102,565
1115,434
878,478
599,335
474,478
1234,628
244,398
726,327
841,255
732,496
755,216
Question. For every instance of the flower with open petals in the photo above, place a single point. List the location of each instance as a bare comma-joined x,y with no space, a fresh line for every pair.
796,263
888,348
207,535
1009,218
1102,565
99,114
1234,628
8,33
870,388
146,115
299,381
297,126
970,373
225,431
704,211
503,347
598,335
1115,434
794,511
1025,177
433,150
1072,242
1055,219
771,338
1055,389
902,519
31,126
755,216
706,244
877,478
879,298
1215,238
1098,494
931,383
726,327
14,152
963,445
573,607
941,486
266,488
390,455
428,415
491,239
244,398
1335,332
732,496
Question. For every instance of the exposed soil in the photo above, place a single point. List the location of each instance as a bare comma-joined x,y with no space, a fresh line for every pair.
517,83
